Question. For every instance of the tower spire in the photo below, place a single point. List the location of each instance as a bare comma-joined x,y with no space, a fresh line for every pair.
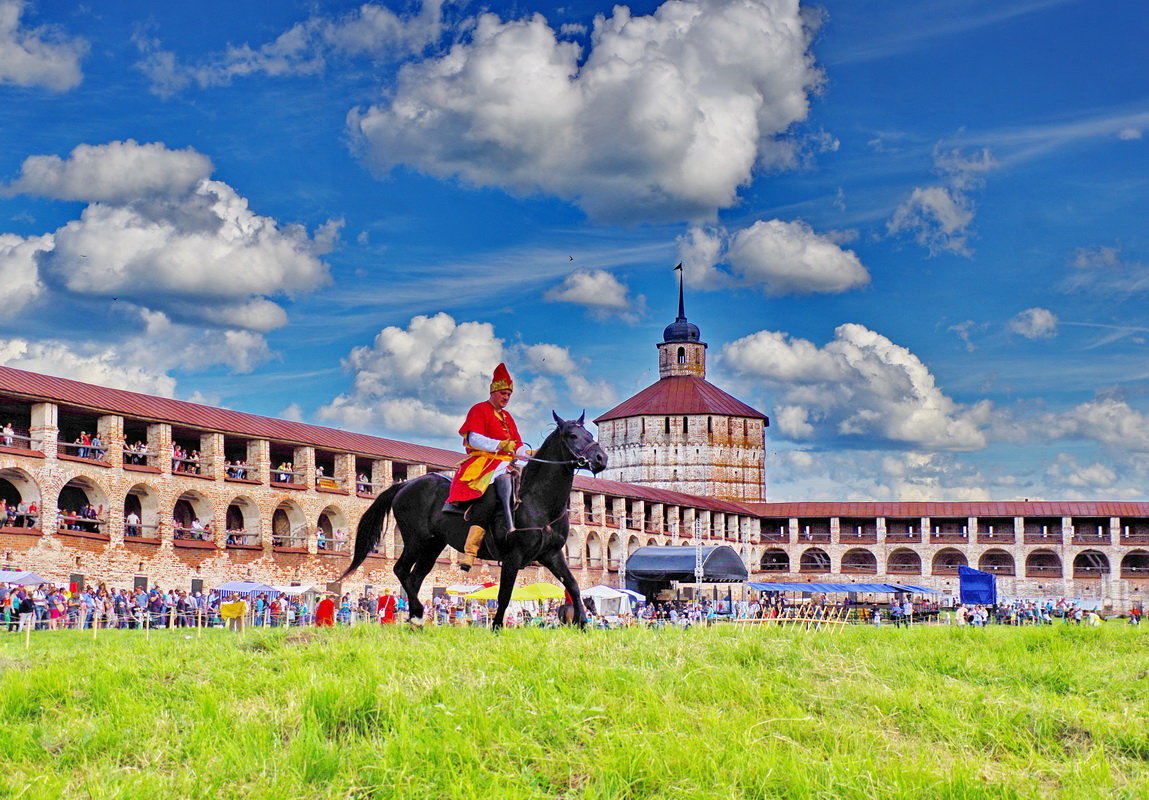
682,351
681,304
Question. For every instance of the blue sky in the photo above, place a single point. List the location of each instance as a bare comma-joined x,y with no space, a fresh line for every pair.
913,235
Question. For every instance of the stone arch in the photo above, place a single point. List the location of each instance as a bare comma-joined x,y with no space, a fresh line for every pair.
1135,564
143,501
574,549
651,541
241,521
1090,564
331,531
1043,564
593,550
775,560
18,487
289,526
77,494
192,516
814,559
614,552
997,561
859,560
632,544
904,561
947,560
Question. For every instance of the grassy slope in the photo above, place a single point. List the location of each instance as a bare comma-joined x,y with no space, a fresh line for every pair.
863,713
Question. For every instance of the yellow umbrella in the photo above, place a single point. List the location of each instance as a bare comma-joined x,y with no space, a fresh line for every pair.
544,591
536,591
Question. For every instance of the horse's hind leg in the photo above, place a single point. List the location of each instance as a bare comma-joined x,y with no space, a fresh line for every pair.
423,564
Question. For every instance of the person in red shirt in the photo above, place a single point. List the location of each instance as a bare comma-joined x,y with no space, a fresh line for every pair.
386,607
492,443
325,612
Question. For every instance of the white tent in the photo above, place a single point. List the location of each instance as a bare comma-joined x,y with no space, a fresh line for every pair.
292,591
20,578
611,602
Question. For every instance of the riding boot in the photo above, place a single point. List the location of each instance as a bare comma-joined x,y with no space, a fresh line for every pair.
471,548
505,490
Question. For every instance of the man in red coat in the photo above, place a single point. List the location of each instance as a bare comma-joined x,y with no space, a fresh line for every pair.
325,612
387,605
492,442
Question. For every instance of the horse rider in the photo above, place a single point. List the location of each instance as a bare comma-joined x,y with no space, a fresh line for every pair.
492,443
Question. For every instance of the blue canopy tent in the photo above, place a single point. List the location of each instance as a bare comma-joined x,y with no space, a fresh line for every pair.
652,568
840,588
976,587
246,589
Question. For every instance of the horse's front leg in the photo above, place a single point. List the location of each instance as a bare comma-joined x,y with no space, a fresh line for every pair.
556,562
507,577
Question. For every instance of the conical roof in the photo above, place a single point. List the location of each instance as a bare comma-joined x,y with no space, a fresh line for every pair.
679,395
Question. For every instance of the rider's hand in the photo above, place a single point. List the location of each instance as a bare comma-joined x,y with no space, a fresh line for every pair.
507,446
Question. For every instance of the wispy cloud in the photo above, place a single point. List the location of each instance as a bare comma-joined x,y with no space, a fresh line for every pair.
929,21
489,277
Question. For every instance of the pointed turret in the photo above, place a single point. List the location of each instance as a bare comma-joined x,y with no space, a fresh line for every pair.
682,351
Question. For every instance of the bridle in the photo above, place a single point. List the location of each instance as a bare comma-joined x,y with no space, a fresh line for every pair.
579,457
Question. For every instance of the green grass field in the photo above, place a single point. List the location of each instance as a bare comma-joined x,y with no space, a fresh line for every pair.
931,712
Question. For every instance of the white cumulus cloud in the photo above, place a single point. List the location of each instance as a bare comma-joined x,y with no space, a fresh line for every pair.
160,233
1035,323
665,116
42,57
859,388
778,257
19,273
116,172
422,379
601,293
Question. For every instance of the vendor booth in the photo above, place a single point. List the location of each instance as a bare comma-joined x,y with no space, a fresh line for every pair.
611,602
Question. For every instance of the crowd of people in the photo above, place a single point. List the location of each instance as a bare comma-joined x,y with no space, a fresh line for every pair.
86,518
136,454
193,529
185,461
19,515
52,607
238,469
284,473
89,446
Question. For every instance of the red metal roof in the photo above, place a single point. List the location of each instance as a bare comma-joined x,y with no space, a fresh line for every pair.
681,394
1017,508
34,386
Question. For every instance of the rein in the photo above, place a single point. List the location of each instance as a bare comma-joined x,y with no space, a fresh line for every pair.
549,526
580,461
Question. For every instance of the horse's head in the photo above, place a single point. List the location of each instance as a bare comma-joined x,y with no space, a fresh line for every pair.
586,452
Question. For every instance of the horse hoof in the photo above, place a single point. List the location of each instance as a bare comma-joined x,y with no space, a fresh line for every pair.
416,623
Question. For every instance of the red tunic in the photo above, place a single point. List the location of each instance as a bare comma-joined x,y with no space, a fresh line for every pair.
387,606
474,474
325,613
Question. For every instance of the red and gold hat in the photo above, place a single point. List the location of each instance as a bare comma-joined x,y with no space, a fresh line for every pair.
502,379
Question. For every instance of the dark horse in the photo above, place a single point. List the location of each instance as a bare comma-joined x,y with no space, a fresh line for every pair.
541,525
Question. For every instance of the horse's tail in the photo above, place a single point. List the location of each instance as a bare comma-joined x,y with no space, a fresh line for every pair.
370,527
